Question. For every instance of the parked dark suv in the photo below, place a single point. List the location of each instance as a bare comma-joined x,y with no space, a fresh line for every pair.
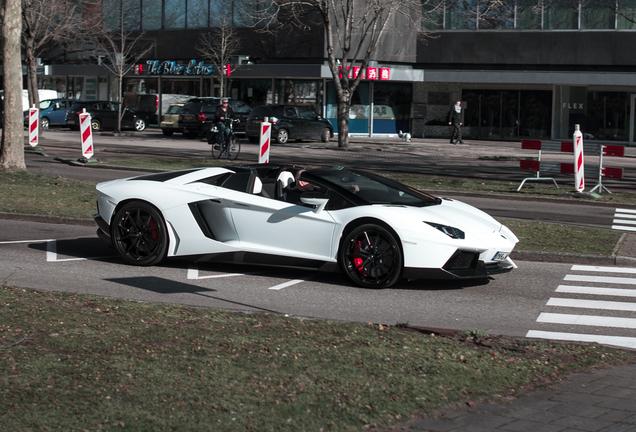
104,116
197,115
288,122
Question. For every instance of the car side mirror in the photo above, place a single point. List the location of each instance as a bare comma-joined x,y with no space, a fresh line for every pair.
316,199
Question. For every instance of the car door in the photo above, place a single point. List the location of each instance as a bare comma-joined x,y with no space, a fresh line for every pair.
270,226
294,122
106,113
57,112
311,127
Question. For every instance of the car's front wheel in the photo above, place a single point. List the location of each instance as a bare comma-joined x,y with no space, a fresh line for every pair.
282,136
45,123
371,256
140,125
139,234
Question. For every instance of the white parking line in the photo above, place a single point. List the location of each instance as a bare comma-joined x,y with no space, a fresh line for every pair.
26,241
587,320
193,274
620,292
592,304
618,341
287,284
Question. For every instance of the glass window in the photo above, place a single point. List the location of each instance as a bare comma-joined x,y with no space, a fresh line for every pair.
299,92
433,16
607,116
197,13
561,15
175,14
497,15
151,18
529,14
248,13
218,10
461,15
627,14
392,107
597,14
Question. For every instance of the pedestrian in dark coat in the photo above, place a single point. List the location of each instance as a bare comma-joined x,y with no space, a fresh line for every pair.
455,119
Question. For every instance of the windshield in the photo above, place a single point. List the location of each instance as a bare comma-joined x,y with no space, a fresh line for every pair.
375,189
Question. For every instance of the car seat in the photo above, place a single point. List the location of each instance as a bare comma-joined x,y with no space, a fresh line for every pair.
284,180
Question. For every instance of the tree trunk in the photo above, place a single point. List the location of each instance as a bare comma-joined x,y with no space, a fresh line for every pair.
12,145
343,123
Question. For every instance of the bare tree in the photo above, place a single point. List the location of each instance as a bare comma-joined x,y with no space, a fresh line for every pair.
45,22
12,146
353,32
219,46
120,48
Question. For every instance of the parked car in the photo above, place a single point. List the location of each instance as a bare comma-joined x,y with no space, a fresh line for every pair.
52,112
197,115
288,122
375,230
104,116
170,120
148,104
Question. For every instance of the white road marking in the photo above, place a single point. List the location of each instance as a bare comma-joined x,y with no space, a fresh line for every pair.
592,304
618,341
600,279
620,292
604,269
620,210
193,274
588,320
623,228
623,220
287,284
26,241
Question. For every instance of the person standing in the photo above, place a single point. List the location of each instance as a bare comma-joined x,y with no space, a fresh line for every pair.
455,119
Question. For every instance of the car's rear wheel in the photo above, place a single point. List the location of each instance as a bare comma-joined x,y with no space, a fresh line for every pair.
139,234
140,125
45,123
96,125
371,256
282,136
325,135
167,132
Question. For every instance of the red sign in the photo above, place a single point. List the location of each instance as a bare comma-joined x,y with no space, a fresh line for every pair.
371,73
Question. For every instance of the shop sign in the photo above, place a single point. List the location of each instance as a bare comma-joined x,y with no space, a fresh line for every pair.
372,73
155,67
572,105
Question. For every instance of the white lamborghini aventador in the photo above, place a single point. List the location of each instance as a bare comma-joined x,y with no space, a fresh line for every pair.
375,230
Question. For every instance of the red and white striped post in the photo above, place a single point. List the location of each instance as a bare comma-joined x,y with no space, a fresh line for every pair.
86,134
266,132
34,116
579,175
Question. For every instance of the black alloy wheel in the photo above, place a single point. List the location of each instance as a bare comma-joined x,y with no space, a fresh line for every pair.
371,256
139,234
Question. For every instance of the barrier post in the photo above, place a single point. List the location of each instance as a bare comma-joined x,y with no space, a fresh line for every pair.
266,132
34,129
579,175
86,133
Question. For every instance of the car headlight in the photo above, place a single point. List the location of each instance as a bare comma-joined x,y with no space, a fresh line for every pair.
452,232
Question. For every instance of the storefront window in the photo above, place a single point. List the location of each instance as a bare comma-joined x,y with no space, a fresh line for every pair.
299,92
253,92
392,107
506,114
358,110
607,116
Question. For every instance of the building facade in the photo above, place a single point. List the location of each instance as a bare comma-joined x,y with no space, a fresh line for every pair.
522,68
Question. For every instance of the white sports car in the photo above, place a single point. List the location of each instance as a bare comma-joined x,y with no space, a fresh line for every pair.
375,230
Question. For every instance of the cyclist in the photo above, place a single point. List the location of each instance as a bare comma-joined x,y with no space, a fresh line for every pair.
223,113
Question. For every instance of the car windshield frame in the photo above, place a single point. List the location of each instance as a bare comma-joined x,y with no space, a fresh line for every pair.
373,189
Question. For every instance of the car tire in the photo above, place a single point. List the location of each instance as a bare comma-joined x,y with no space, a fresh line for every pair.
167,132
45,123
325,135
96,125
140,125
139,234
371,256
282,136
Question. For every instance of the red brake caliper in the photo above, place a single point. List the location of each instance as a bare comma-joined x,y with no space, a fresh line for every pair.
357,261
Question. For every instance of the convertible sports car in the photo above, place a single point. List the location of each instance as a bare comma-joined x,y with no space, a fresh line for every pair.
373,229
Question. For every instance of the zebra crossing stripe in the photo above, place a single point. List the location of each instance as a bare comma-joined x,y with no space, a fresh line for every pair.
592,304
618,341
600,279
624,219
623,228
618,292
603,269
620,210
587,320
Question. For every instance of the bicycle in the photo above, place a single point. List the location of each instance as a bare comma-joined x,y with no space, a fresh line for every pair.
231,146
